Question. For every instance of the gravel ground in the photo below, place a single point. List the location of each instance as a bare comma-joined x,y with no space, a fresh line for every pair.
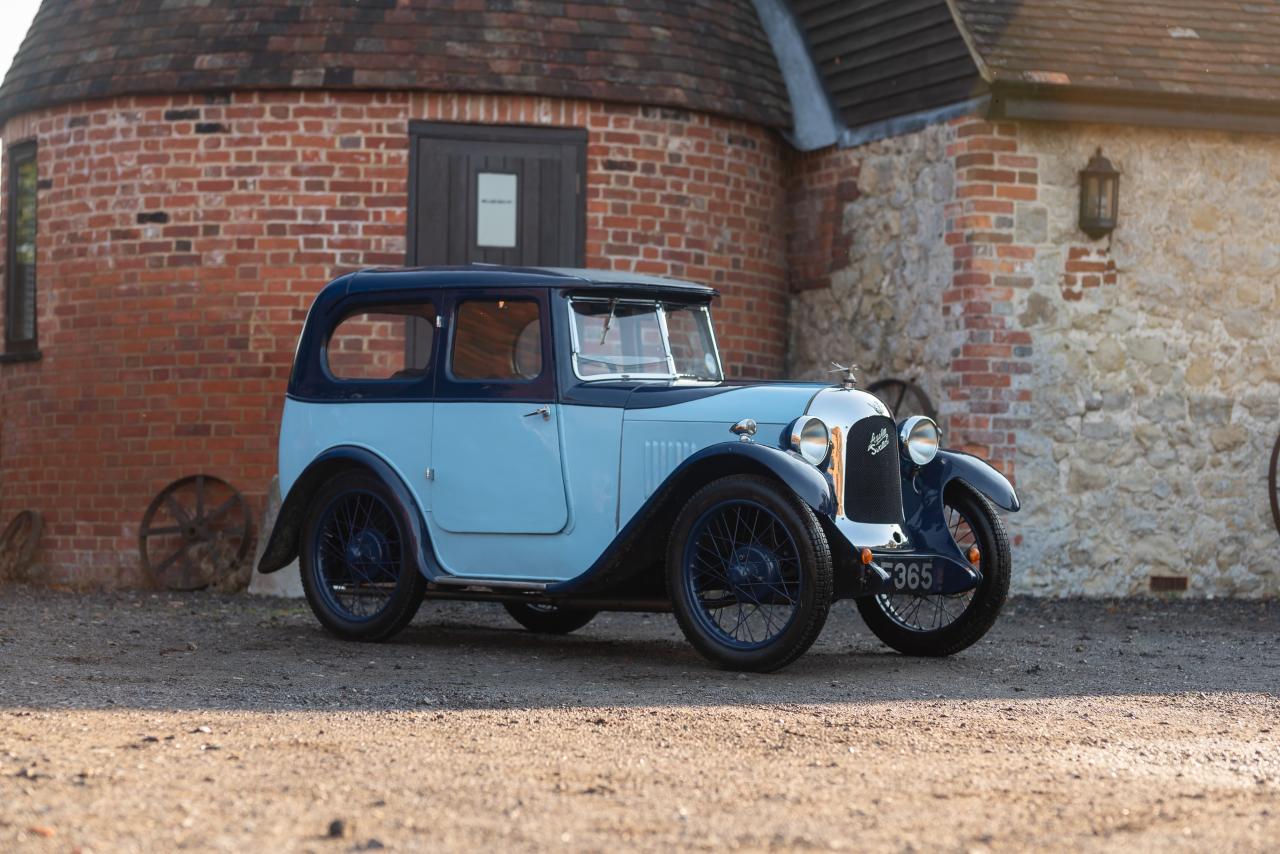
141,722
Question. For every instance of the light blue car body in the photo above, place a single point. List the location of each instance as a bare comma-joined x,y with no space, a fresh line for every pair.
528,498
544,491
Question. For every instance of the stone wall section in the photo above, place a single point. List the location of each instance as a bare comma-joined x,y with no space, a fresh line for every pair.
1130,385
871,289
1157,366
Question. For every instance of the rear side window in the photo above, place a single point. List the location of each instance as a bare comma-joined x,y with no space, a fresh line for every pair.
386,342
497,341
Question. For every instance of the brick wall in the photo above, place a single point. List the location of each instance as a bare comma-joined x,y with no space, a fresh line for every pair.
988,381
181,240
821,186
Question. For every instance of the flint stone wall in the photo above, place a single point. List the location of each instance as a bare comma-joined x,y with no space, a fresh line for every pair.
1152,397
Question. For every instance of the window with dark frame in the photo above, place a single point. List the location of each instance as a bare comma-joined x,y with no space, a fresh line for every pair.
370,345
20,267
498,340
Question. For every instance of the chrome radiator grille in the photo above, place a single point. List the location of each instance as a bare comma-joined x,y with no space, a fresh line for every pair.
872,478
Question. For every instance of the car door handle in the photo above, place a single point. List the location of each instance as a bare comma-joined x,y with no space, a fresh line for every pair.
544,411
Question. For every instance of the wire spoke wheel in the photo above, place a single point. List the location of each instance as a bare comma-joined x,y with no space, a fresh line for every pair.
195,532
929,613
18,543
359,555
903,397
743,573
1273,483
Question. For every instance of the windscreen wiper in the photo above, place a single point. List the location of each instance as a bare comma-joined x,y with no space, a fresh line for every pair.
608,321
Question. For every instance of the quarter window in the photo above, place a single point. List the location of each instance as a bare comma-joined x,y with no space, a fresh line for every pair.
20,278
693,349
497,341
387,342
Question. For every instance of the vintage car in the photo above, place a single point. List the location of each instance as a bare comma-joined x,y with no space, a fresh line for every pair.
565,442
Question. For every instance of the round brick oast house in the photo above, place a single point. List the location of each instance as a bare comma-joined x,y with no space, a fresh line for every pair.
180,181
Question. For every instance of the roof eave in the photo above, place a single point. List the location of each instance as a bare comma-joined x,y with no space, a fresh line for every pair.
1084,105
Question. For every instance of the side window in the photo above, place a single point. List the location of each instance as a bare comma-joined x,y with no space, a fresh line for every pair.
373,344
20,277
497,340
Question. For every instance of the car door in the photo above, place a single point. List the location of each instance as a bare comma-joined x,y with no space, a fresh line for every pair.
378,388
496,438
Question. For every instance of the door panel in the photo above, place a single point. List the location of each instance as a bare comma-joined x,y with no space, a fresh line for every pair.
500,472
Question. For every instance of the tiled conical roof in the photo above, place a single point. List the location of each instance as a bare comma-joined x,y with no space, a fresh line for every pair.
708,55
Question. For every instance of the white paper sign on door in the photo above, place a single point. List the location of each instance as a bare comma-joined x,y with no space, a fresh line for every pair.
496,210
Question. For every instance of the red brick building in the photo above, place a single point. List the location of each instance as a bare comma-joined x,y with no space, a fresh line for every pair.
202,169
891,182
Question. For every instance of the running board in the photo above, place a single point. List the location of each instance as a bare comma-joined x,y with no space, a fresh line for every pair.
488,583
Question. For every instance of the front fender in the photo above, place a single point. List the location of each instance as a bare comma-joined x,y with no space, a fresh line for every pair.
806,481
283,544
922,497
978,473
642,541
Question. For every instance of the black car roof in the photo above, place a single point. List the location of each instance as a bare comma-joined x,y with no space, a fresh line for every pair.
491,275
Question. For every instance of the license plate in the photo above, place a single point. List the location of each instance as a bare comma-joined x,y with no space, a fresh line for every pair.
910,576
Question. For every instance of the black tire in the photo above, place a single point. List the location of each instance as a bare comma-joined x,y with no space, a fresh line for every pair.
323,569
801,559
548,619
980,613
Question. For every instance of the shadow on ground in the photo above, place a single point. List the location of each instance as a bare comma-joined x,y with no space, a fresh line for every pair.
203,651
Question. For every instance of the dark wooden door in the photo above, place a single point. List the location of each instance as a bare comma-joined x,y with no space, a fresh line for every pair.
497,195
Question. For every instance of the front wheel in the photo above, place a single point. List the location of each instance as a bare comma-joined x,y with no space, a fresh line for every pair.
358,571
749,573
940,624
548,619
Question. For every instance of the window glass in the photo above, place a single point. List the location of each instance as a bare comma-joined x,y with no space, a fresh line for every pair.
497,340
692,347
20,296
386,342
617,338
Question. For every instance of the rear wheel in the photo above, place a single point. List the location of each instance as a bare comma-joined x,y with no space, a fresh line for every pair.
548,619
749,573
938,625
359,576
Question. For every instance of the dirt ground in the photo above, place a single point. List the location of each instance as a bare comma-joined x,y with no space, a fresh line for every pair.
141,722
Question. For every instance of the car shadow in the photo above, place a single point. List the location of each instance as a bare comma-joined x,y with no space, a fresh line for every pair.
172,651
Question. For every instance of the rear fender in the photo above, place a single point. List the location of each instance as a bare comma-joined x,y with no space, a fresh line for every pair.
286,537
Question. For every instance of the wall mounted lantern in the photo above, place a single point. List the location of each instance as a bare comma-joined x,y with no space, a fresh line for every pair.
1099,196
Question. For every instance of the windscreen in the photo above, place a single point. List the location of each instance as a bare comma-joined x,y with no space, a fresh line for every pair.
636,340
618,338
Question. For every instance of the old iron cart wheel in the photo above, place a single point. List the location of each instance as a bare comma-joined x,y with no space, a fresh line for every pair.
749,573
18,543
548,619
904,398
1273,483
940,624
358,569
195,532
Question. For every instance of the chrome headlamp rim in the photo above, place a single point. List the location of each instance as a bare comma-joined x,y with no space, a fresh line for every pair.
810,437
919,438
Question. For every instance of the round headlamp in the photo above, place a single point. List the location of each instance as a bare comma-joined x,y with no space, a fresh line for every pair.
811,439
920,438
